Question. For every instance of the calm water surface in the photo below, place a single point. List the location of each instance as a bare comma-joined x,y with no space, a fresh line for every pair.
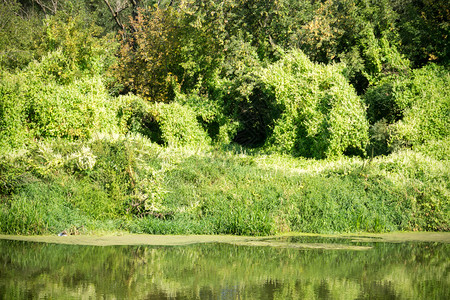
408,270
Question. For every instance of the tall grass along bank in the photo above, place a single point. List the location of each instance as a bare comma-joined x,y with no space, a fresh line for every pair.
127,183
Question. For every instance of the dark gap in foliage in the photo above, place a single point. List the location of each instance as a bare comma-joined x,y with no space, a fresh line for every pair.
212,127
360,83
353,151
140,119
257,116
381,103
152,130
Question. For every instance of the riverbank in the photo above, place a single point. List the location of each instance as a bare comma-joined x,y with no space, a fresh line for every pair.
136,186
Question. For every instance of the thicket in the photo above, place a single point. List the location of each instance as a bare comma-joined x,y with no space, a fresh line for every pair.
131,184
321,114
141,120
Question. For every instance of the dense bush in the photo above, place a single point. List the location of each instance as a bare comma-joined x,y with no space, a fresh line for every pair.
211,115
79,45
13,113
425,101
179,126
410,110
20,28
72,111
322,115
170,124
31,107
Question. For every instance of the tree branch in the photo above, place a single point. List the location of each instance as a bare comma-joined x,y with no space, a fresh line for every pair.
115,14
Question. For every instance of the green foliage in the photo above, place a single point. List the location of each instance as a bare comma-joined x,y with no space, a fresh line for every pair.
193,45
210,114
381,102
134,115
225,72
438,149
179,126
360,33
73,111
32,106
322,115
115,182
149,54
19,28
410,110
81,45
169,124
425,101
13,130
424,30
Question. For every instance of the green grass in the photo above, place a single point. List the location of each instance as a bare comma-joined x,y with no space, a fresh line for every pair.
116,183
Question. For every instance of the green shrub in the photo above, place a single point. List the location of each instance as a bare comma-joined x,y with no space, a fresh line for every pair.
134,115
380,101
122,182
437,149
13,113
20,28
425,101
170,124
30,108
322,115
72,111
210,114
179,125
72,46
412,110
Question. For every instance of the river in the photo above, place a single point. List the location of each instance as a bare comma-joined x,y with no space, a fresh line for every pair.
284,267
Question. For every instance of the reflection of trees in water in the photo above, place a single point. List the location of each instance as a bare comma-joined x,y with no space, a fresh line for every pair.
223,271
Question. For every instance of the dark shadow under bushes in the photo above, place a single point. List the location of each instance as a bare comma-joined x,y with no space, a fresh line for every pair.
257,117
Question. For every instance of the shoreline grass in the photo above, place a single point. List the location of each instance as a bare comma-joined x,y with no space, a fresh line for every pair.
128,184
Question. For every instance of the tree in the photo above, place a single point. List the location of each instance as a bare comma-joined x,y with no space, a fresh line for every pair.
423,26
149,56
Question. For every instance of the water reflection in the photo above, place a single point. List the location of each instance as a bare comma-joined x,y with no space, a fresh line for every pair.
224,271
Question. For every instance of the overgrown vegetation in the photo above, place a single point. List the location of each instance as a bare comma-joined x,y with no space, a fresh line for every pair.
239,117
